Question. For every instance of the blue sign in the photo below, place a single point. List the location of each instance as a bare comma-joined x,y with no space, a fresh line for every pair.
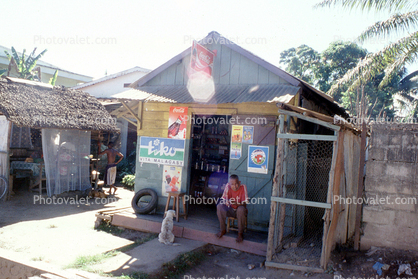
162,151
258,159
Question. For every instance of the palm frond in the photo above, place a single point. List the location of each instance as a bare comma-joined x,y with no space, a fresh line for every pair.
388,60
15,56
395,24
53,79
33,62
370,5
409,82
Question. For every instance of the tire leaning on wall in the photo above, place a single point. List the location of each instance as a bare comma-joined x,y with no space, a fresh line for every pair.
151,205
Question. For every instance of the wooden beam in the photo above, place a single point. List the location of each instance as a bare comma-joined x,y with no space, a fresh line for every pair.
339,169
301,202
360,185
329,200
277,179
7,174
140,106
294,267
121,110
129,120
306,112
131,111
310,119
307,137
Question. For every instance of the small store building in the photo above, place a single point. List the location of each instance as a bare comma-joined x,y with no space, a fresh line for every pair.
247,117
222,126
47,133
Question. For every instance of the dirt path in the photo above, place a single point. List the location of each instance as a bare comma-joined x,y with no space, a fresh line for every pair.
231,264
56,234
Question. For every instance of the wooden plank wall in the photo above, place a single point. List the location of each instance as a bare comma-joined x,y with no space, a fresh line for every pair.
230,67
155,115
345,184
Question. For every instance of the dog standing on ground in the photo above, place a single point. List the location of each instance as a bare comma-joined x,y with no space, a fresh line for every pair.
166,235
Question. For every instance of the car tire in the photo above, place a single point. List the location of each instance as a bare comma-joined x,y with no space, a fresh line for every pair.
150,206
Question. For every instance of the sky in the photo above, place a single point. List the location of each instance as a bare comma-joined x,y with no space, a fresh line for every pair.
93,37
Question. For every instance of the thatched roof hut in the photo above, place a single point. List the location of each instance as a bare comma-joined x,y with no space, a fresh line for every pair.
38,105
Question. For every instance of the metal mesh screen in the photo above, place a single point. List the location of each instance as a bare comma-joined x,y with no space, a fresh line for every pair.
299,228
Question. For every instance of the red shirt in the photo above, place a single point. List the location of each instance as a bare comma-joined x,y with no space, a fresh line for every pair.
238,196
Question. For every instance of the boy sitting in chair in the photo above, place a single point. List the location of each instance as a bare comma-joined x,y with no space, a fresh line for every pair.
233,204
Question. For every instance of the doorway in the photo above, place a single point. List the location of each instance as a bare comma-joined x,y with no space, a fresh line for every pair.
210,149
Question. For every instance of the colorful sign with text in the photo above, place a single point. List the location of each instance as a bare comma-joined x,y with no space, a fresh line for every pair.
177,122
201,59
162,151
258,159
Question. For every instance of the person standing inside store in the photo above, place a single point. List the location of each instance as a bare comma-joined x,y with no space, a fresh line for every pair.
233,204
110,173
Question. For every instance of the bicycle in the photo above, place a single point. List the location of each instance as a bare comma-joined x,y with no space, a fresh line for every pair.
3,186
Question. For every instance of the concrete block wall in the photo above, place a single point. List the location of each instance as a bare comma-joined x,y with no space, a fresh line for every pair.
390,219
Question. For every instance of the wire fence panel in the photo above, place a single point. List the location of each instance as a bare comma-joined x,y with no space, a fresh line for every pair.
299,228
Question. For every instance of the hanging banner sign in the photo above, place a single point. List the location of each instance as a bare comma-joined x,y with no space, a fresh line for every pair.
201,59
161,151
177,122
258,159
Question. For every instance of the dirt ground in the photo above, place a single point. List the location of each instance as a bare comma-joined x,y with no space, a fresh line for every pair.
345,263
57,234
232,264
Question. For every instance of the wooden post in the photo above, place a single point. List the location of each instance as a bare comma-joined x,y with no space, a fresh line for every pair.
277,181
7,171
335,210
360,185
140,106
327,214
282,193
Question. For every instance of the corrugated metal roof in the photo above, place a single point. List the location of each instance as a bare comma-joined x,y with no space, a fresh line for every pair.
223,93
112,76
135,94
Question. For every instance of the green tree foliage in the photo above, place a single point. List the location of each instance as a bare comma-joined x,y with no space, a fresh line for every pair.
336,60
393,58
54,78
25,65
326,68
300,62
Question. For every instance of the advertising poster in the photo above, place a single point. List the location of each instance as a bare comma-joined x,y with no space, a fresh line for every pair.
248,134
236,134
236,150
201,59
177,123
171,179
161,151
258,159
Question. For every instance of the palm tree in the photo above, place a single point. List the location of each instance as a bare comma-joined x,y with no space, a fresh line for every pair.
392,58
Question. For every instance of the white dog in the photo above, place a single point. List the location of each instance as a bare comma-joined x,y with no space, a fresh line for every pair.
166,236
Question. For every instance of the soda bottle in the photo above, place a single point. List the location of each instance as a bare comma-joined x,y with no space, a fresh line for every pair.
173,183
174,128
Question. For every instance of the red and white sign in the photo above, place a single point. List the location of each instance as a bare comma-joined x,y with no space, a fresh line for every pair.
177,122
201,59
